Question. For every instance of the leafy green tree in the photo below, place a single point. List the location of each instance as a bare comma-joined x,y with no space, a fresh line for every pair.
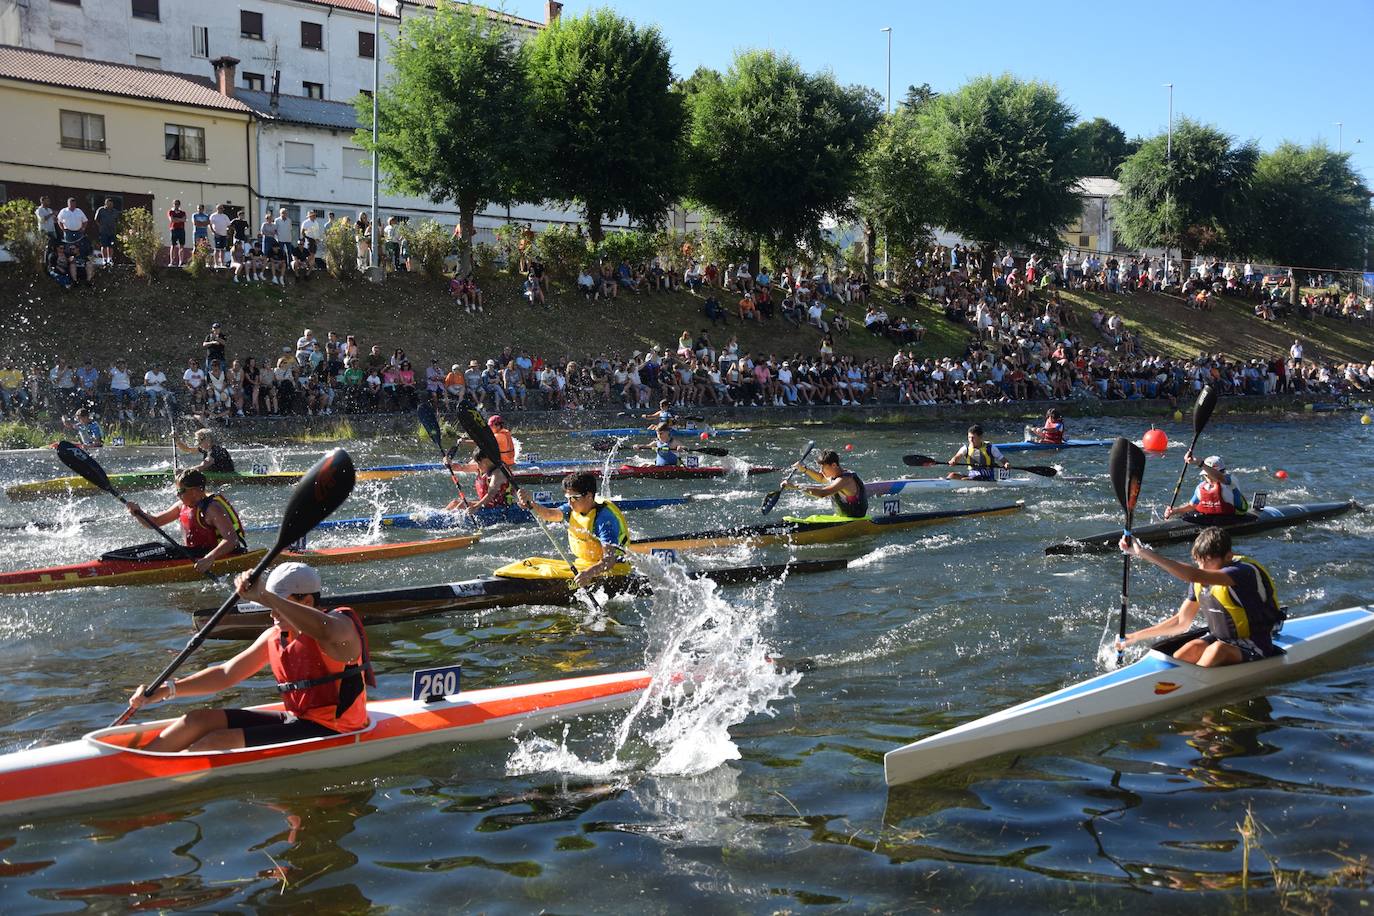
453,122
918,96
1005,162
601,90
1102,146
1196,201
19,232
1311,209
897,191
774,149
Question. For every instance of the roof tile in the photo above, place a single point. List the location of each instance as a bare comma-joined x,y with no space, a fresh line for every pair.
113,79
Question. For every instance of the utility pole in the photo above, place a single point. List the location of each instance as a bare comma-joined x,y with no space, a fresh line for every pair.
888,30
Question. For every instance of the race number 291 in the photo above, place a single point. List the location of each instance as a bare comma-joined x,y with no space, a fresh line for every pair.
430,684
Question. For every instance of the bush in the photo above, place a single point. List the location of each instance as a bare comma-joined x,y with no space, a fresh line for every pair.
633,247
563,250
485,254
675,248
508,237
140,240
19,232
200,258
428,245
341,250
722,245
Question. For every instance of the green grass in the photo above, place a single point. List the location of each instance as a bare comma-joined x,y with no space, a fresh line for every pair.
15,434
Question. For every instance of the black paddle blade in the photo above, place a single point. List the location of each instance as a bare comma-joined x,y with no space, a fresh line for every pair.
603,445
712,450
314,497
476,429
76,458
1206,403
1128,470
772,498
1043,470
918,461
430,421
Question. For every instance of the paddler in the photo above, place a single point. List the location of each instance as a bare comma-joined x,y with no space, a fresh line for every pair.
1235,594
214,457
1052,433
597,531
844,488
318,658
87,429
981,457
665,447
504,440
1216,495
493,487
210,525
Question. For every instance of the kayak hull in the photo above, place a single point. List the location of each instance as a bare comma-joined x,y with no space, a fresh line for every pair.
894,487
444,520
801,531
99,768
646,428
1146,688
156,572
153,480
641,472
1046,447
1178,530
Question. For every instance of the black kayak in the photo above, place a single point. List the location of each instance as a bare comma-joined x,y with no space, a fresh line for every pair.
1185,528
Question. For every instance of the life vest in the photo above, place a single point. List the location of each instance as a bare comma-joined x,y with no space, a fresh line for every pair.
1210,499
1228,618
198,534
506,443
1053,433
585,546
980,463
317,688
851,506
483,486
663,453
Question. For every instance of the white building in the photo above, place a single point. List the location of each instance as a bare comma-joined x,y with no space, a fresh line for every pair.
1095,228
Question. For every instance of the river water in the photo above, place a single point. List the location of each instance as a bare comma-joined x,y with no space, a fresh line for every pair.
765,792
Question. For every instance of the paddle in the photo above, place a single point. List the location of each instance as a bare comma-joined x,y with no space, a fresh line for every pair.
482,437
430,421
925,461
76,458
771,500
1202,412
1128,469
318,493
605,445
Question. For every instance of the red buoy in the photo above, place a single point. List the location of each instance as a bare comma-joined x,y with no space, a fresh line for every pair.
1156,440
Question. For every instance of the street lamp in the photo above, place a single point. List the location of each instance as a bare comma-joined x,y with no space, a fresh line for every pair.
1169,176
888,30
1340,135
376,67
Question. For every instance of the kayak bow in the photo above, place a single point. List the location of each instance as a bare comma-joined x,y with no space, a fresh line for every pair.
1048,447
443,519
1177,530
152,480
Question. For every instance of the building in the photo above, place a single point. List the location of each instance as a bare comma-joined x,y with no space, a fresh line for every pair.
1093,230
93,130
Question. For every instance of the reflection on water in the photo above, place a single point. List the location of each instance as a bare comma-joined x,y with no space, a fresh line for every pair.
738,788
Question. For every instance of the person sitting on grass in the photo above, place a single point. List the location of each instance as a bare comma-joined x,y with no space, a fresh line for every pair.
747,310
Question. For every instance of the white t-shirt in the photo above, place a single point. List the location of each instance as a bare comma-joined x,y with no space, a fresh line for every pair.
153,380
305,344
310,228
219,223
284,229
1295,351
45,217
119,379
193,378
72,219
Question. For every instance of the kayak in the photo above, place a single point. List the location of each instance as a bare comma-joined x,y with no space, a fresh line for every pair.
893,487
1185,528
1047,447
813,529
1141,690
443,519
472,468
152,480
690,429
110,764
131,571
642,472
391,605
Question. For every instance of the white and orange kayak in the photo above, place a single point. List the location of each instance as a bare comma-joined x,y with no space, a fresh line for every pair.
110,764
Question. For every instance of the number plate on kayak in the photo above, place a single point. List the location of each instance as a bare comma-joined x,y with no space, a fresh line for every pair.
664,555
429,685
691,461
259,468
892,507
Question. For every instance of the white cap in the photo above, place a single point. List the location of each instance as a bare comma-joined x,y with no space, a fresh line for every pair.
1214,462
294,579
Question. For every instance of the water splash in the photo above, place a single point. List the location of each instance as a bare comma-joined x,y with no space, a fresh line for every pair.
608,464
711,668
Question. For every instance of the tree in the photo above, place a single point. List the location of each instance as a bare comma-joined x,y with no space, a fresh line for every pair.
601,90
1004,161
452,120
1102,146
1196,201
918,96
1311,207
897,190
774,149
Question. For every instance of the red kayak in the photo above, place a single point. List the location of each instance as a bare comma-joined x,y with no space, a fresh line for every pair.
640,472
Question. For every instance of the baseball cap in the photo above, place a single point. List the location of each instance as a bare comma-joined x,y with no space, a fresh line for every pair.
294,579
495,420
1214,462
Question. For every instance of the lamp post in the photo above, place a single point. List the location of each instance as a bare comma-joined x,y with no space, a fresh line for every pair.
376,69
888,30
1169,176
1340,135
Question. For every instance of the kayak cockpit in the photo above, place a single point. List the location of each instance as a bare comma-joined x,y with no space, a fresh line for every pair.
136,738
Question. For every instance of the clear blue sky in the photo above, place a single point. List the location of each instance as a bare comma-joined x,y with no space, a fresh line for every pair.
1258,69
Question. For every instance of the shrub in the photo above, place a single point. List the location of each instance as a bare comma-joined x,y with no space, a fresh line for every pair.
633,247
485,254
563,250
139,239
722,245
675,248
200,257
428,244
19,232
341,250
508,237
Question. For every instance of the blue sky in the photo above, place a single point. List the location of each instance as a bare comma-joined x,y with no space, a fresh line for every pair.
1259,70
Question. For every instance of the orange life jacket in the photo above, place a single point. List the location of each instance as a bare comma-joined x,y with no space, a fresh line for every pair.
318,688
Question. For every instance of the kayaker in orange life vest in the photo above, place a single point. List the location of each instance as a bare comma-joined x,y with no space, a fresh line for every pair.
318,658
210,525
504,440
1052,433
1216,495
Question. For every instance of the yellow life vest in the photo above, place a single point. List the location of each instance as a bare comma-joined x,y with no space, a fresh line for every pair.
1225,615
586,547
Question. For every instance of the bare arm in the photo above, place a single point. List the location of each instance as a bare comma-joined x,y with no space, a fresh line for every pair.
1180,622
1181,571
335,633
213,679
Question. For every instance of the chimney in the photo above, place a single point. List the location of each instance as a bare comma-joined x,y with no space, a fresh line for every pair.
552,10
226,69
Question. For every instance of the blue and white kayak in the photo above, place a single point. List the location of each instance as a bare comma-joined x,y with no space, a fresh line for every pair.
1047,447
1003,479
689,430
442,519
1141,690
518,466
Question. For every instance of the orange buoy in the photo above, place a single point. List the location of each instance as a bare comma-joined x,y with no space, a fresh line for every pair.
1156,440
1281,474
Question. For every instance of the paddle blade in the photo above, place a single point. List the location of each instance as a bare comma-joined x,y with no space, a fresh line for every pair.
1206,403
712,450
1128,470
476,429
430,421
1043,470
603,445
771,500
314,497
918,461
76,458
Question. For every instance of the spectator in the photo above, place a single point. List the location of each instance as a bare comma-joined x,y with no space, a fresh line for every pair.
214,344
306,345
586,283
312,232
747,310
391,241
219,228
200,229
194,379
47,219
362,228
176,227
533,290
285,233
71,219
107,227
155,390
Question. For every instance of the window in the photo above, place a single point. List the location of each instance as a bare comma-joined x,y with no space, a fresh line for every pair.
83,131
367,44
250,24
365,93
185,144
312,35
313,90
71,48
200,41
151,63
146,9
68,2
357,163
299,157
254,81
